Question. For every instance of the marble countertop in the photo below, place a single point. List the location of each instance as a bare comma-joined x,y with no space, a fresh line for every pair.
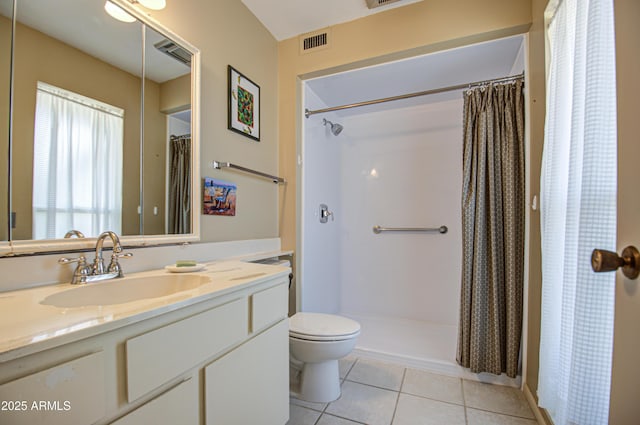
28,326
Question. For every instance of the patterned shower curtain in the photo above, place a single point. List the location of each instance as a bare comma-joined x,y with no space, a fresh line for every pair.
180,185
493,202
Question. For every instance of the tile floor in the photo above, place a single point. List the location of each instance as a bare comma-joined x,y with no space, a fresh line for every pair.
377,393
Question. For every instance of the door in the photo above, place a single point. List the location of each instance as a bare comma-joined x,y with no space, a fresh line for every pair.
625,376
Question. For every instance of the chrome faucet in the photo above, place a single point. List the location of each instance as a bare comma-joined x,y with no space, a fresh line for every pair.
85,273
98,261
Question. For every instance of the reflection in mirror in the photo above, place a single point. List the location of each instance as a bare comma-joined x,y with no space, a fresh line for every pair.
166,203
6,16
78,98
96,65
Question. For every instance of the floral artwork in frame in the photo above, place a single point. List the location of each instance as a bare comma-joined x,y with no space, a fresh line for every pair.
244,105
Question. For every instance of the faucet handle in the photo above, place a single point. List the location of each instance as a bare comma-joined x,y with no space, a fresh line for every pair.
82,270
81,260
114,266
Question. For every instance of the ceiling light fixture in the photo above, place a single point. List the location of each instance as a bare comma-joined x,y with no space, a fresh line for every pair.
118,13
153,4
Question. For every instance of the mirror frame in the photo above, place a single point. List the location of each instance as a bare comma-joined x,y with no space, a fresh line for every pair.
31,247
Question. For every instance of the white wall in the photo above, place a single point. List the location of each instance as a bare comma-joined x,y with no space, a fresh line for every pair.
177,127
416,152
319,276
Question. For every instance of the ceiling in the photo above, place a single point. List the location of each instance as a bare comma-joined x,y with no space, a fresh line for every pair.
463,65
290,18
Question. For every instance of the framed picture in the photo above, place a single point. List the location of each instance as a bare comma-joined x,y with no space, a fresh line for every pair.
219,197
244,105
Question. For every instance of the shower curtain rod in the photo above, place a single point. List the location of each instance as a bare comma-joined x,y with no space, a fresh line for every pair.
308,113
184,136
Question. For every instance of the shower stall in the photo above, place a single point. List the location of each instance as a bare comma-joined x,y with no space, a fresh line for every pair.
394,165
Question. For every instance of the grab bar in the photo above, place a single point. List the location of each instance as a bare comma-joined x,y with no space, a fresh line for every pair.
219,164
441,229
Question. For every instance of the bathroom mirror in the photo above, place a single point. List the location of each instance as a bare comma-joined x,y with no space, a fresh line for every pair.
95,104
6,16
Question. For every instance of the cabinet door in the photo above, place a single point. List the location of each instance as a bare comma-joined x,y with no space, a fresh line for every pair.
179,405
67,394
250,385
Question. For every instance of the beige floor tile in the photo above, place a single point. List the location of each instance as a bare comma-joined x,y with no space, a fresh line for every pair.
376,373
480,417
363,403
302,416
369,396
345,364
496,398
431,385
309,405
414,410
326,419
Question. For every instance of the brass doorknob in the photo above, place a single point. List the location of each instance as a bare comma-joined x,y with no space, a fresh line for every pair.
607,261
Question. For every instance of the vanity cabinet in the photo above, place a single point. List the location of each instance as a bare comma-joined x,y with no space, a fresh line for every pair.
246,385
220,361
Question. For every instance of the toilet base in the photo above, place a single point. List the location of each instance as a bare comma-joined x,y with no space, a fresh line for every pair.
319,382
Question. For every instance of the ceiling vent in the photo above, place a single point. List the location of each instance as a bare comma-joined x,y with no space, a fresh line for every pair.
170,48
314,41
372,4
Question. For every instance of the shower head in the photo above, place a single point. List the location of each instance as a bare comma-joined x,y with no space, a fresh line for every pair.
335,128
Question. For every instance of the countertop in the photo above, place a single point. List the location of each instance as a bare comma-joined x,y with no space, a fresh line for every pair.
28,326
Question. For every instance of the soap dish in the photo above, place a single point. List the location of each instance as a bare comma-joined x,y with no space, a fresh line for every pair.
175,269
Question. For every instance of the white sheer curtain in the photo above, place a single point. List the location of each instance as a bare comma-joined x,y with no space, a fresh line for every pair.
578,207
77,177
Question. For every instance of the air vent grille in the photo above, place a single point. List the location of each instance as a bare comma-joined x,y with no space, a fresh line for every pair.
172,49
372,4
315,41
312,42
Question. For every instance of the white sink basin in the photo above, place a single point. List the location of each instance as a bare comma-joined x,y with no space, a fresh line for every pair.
124,290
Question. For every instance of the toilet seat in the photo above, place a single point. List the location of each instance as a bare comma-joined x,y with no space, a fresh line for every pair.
322,327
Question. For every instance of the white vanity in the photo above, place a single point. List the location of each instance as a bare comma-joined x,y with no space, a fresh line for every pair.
216,353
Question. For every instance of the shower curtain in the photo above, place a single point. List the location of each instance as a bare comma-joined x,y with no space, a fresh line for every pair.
493,229
180,185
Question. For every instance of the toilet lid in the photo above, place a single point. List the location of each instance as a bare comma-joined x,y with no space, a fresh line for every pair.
321,326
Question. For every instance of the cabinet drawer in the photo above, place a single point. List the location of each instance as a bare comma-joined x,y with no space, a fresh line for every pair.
70,393
179,405
268,306
160,355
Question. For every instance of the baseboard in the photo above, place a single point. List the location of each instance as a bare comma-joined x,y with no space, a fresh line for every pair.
539,413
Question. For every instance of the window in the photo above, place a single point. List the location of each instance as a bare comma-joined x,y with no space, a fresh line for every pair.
77,177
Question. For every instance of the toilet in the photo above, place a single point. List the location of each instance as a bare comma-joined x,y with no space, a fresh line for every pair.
316,342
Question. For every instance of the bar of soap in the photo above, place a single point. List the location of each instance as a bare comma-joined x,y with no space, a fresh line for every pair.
185,263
